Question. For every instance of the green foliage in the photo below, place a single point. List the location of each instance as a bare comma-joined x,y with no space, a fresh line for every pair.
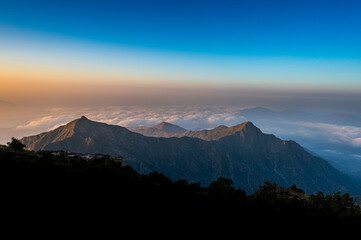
267,191
338,204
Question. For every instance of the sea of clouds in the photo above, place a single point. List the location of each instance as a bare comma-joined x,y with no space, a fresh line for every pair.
195,118
191,118
328,140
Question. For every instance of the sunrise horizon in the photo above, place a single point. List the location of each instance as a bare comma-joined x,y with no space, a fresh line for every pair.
235,114
292,48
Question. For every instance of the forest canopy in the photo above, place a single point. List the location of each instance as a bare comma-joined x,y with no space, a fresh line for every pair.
59,176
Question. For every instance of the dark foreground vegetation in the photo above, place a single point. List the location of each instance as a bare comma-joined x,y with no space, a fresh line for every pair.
49,186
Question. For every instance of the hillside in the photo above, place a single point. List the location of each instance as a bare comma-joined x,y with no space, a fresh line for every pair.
242,153
59,185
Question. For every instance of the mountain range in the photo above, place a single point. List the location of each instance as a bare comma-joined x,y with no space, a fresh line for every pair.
259,113
242,153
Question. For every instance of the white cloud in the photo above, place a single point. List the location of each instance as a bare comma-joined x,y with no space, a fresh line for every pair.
198,117
337,133
188,117
191,118
357,142
45,123
34,123
322,132
332,151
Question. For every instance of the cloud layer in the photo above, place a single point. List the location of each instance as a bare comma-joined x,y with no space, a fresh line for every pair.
200,117
191,118
333,141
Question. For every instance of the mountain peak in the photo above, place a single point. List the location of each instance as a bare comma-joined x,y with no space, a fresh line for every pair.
83,118
164,124
245,125
248,123
220,127
169,127
246,128
235,128
82,121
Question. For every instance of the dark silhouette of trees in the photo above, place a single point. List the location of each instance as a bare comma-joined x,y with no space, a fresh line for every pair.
338,204
43,180
156,178
266,192
296,189
222,184
16,144
223,187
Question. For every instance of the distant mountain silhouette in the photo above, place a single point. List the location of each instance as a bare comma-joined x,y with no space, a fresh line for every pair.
208,135
163,129
242,153
344,119
261,113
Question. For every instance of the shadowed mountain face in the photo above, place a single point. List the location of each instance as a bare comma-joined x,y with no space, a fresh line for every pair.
242,153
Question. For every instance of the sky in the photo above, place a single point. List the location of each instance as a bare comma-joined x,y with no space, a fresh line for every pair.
96,54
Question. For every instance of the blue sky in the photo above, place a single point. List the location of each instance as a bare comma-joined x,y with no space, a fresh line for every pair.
321,29
268,45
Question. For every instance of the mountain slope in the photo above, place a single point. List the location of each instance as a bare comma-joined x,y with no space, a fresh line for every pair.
246,128
208,135
163,129
242,153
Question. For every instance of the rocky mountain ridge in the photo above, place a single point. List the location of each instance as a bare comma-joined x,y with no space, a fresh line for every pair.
242,153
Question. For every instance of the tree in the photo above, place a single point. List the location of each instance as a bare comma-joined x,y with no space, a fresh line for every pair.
16,144
296,189
340,205
222,186
268,195
343,205
182,183
156,178
267,191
